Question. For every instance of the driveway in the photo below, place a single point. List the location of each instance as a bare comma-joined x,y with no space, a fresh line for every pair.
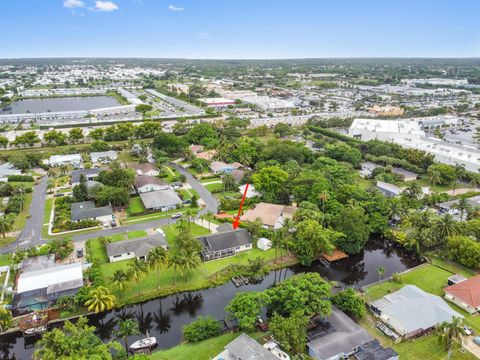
471,346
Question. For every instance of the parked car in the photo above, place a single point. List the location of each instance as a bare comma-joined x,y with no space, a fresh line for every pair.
79,253
468,331
476,340
177,216
113,223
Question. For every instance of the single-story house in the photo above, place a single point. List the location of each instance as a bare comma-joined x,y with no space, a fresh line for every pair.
84,210
90,175
41,288
271,215
219,167
162,200
195,149
206,155
145,183
250,192
7,170
465,294
135,248
245,348
411,311
388,190
373,350
146,169
405,174
224,244
237,175
336,338
367,168
73,159
37,262
264,244
450,207
103,157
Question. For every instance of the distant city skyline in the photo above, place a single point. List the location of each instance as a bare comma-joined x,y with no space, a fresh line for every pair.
247,29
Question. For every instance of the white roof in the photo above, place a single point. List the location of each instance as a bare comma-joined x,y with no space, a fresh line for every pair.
403,126
39,279
111,154
216,100
65,158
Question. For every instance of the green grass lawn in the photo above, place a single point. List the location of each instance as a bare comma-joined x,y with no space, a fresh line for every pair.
153,216
21,219
97,251
423,181
210,179
185,195
5,259
47,211
136,234
206,349
135,205
214,187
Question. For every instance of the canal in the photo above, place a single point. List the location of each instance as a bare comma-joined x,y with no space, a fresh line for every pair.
59,104
164,318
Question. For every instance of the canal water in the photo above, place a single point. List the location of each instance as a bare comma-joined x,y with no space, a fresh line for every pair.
164,318
59,104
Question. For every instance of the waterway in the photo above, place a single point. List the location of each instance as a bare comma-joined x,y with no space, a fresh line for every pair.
164,318
59,104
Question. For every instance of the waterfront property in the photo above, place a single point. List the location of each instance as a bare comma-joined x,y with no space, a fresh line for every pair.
245,348
411,312
466,294
224,244
42,282
163,200
103,157
388,190
271,215
86,210
134,248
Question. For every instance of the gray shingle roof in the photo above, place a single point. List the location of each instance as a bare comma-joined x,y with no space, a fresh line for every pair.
346,337
410,309
76,174
225,240
140,246
159,198
143,180
87,210
246,348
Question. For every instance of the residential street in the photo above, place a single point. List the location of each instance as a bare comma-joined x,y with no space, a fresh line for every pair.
32,233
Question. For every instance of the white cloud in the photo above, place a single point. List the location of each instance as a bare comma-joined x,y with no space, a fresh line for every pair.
105,6
204,36
73,4
175,8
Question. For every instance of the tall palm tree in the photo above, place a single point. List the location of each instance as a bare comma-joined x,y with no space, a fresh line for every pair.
459,174
434,178
380,272
450,334
396,209
100,299
157,257
323,198
191,261
137,270
463,206
6,224
177,261
51,173
413,191
63,169
445,226
125,329
191,214
209,217
119,280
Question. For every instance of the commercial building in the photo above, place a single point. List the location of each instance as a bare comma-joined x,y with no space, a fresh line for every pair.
412,312
216,102
134,248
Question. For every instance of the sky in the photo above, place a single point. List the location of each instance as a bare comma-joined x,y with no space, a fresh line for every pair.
240,29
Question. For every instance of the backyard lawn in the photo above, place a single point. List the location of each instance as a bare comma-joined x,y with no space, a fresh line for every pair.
47,211
206,349
432,279
214,187
135,205
5,259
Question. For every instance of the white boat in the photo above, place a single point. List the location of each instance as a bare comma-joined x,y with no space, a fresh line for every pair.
37,330
144,343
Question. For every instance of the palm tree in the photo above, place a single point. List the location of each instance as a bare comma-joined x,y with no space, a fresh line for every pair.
51,173
450,334
380,272
157,257
191,214
413,191
323,198
397,209
191,261
434,178
459,174
137,270
462,206
119,280
475,180
209,216
63,169
6,224
445,226
101,299
177,261
126,328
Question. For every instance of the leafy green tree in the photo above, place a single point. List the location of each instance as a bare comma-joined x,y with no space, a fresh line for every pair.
204,134
125,329
80,191
170,144
6,224
443,174
100,299
353,222
74,341
201,329
246,307
3,141
270,181
343,152
305,292
464,250
290,331
143,108
350,302
75,135
116,176
54,138
282,130
5,317
228,182
96,134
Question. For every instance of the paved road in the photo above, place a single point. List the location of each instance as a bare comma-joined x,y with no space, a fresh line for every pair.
210,202
32,232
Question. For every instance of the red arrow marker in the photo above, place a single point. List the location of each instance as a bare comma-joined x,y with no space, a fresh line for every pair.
237,222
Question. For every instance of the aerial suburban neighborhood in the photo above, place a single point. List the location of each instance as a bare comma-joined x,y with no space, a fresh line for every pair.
239,180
